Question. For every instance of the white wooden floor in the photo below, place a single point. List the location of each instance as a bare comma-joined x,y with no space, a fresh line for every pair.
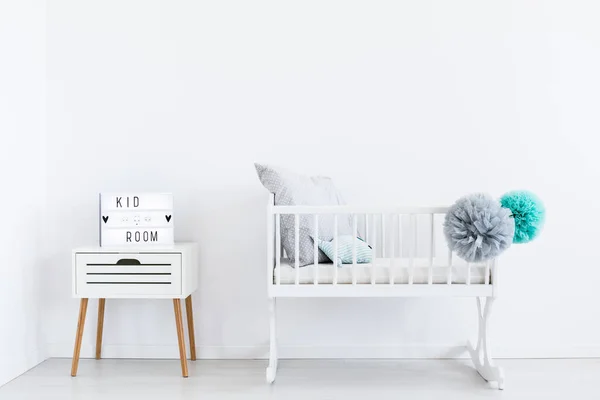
305,379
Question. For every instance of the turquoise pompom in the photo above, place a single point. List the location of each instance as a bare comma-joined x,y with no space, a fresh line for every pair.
529,214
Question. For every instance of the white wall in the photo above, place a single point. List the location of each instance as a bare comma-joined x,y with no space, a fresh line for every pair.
22,158
427,100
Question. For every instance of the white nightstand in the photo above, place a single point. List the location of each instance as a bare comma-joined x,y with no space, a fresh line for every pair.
136,273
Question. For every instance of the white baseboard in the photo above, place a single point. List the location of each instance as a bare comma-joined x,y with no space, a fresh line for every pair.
63,350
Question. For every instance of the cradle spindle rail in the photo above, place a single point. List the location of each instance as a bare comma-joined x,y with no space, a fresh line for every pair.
410,258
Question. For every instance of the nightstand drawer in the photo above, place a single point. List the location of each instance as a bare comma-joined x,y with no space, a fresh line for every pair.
106,275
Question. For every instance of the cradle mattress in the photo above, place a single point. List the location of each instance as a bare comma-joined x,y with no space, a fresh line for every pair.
382,268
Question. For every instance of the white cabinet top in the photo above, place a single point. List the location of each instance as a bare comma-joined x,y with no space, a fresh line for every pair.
178,247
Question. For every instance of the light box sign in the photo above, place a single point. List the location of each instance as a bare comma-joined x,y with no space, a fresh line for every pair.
136,219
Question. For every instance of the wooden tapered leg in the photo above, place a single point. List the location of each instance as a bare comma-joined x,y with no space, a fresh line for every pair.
180,336
101,305
79,335
190,321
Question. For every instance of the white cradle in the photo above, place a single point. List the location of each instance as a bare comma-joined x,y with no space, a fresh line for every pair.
411,259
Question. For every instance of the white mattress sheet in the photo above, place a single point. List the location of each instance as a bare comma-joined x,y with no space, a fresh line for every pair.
382,267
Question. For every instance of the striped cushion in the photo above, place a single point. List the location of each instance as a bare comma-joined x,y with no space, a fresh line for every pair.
364,253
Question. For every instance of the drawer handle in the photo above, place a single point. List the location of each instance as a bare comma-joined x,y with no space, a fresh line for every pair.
128,261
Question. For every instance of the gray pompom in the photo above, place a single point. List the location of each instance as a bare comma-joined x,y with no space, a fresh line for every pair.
478,228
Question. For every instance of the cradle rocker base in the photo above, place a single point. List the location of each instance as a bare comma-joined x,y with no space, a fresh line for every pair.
480,354
271,373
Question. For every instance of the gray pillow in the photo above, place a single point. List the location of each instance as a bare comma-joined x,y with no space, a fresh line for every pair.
291,189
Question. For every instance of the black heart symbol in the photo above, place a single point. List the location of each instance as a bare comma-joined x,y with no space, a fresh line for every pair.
105,218
168,217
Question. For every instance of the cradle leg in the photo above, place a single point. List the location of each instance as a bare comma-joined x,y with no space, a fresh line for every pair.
272,368
480,355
